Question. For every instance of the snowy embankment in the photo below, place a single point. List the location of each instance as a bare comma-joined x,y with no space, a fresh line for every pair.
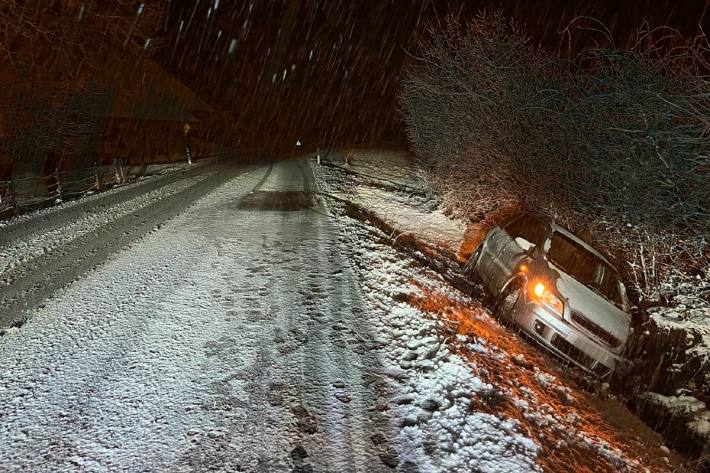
676,363
395,193
689,314
670,377
474,394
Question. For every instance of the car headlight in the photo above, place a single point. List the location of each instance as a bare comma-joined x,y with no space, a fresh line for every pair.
544,295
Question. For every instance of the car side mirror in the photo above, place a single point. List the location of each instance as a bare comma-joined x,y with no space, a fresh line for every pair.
527,246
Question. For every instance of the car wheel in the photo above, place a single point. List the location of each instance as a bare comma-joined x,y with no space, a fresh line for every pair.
508,300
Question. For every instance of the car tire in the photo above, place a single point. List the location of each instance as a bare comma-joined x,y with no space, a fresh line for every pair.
508,299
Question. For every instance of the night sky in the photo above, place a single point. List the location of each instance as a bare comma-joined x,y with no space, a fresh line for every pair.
327,71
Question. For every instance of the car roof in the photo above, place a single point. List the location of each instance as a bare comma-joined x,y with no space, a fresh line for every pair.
568,233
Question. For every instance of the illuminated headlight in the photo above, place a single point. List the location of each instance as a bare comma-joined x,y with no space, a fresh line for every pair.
541,293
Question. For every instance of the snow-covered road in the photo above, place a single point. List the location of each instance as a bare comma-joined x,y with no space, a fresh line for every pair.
233,338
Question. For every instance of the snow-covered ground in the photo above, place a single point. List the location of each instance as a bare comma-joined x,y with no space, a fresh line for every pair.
259,330
491,384
690,313
369,178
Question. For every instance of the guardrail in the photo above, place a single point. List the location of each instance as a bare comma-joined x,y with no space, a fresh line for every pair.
18,195
24,194
28,193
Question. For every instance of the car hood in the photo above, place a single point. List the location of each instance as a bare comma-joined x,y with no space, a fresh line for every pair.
594,307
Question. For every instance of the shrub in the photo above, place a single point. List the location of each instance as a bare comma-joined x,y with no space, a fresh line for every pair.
604,141
471,105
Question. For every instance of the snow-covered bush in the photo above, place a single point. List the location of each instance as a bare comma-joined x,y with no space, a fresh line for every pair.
612,136
471,106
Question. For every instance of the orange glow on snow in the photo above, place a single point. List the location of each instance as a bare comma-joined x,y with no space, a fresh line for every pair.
566,402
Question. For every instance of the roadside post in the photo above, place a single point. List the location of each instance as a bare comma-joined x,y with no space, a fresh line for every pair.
123,174
98,177
116,171
59,184
188,153
13,198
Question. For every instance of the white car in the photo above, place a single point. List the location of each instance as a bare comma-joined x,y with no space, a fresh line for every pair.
558,289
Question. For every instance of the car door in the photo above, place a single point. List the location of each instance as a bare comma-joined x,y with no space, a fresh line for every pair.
488,262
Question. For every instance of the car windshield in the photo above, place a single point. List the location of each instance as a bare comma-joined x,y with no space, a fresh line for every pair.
585,266
528,227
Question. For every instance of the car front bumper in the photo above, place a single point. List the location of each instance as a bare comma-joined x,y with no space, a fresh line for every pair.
565,340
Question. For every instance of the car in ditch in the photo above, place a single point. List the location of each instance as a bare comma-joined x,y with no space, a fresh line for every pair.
557,289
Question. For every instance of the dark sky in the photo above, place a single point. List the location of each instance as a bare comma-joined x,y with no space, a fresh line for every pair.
328,70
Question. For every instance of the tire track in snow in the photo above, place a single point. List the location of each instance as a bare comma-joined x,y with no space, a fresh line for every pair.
332,372
323,353
299,394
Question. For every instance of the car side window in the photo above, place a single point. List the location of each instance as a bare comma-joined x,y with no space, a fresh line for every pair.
528,227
